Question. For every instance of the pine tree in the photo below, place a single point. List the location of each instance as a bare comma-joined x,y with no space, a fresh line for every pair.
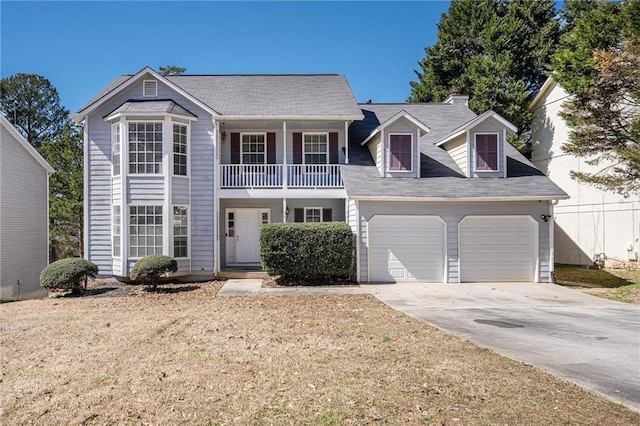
496,51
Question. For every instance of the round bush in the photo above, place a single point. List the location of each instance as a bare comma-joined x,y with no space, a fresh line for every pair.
150,268
67,274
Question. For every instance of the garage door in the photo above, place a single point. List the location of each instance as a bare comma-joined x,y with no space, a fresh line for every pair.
406,248
501,248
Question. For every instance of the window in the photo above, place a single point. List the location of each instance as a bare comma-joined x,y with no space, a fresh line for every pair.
116,223
253,148
115,148
312,214
150,89
486,152
145,230
179,150
400,147
315,148
180,228
145,148
231,225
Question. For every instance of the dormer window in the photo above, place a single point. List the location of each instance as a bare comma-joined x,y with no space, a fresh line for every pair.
486,148
150,89
401,150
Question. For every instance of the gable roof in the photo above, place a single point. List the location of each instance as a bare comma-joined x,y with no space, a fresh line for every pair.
268,96
401,114
549,84
142,107
441,178
25,144
474,122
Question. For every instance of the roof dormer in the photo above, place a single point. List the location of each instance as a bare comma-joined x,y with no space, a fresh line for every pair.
395,145
478,146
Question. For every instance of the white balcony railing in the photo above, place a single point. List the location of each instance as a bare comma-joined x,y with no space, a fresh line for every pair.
272,176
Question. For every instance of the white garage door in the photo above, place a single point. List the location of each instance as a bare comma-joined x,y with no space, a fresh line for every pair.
498,248
406,248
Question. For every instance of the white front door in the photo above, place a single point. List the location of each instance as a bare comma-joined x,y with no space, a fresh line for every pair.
247,233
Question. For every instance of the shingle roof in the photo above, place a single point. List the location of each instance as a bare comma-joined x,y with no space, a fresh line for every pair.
325,95
159,106
440,175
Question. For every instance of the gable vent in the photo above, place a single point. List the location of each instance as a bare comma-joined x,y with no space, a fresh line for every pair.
150,89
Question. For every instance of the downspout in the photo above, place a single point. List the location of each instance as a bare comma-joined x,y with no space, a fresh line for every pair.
357,213
216,200
552,272
86,201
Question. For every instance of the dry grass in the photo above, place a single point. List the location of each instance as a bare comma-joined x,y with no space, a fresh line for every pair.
189,357
615,284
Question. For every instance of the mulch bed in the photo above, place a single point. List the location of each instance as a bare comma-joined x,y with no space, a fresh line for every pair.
280,282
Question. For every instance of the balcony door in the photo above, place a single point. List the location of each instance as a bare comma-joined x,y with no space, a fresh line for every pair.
243,233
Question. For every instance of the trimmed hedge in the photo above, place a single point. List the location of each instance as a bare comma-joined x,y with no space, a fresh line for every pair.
151,268
307,250
68,274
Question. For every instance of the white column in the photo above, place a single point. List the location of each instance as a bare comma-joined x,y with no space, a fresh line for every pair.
284,210
285,182
216,197
346,142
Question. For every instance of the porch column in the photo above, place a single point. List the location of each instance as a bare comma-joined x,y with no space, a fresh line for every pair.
346,142
284,210
285,171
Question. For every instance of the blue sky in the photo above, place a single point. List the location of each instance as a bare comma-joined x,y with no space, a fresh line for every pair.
82,46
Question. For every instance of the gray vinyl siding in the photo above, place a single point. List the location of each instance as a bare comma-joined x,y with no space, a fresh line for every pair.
116,189
150,189
23,221
180,191
452,213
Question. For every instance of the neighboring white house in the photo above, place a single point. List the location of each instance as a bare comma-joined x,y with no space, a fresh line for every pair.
24,216
191,166
592,222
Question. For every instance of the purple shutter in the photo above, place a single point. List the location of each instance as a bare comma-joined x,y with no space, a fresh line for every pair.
271,148
333,148
326,215
400,147
486,152
298,215
297,148
235,148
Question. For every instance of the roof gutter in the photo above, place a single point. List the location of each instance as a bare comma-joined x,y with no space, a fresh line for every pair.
415,199
290,117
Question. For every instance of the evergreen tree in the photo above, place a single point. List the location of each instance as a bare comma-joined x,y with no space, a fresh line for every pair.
496,51
32,105
65,192
172,70
598,64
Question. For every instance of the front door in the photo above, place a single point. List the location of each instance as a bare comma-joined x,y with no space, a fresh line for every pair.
243,229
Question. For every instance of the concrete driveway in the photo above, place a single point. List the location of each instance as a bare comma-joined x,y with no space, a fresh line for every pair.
590,341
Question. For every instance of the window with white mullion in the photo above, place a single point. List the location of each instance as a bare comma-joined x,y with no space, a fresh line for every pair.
180,232
145,230
115,148
254,148
315,148
145,148
313,214
116,231
180,149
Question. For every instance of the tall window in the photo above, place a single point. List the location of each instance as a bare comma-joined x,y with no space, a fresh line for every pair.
116,231
315,148
487,152
253,148
145,148
179,150
145,230
180,235
400,149
115,148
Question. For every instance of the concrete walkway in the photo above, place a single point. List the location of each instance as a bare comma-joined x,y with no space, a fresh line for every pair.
253,287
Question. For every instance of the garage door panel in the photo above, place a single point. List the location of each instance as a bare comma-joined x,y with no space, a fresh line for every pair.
406,248
497,248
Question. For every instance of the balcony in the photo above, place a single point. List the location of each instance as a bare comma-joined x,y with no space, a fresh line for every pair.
280,176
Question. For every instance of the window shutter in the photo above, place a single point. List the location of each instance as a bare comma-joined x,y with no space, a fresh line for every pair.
333,148
486,152
271,148
492,152
326,215
235,148
298,215
297,148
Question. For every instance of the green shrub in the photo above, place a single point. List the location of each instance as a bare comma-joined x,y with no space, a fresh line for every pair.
307,250
67,274
151,268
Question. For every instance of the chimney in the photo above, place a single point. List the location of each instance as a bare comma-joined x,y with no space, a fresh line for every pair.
456,98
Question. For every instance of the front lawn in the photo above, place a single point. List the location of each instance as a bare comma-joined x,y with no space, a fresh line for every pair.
615,284
185,356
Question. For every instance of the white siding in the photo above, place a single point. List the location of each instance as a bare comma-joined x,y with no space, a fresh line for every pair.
23,221
375,147
452,213
591,221
145,190
458,150
180,190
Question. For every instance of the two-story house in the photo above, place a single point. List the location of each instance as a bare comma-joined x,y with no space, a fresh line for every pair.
191,166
